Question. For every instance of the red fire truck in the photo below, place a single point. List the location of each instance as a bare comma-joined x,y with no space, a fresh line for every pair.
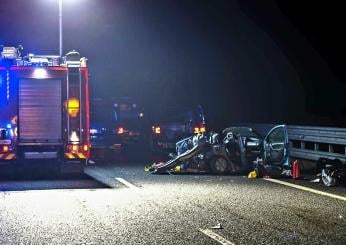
44,108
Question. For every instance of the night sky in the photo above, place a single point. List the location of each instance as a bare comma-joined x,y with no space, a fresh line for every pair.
258,61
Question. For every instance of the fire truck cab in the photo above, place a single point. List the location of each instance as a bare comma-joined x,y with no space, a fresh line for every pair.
44,108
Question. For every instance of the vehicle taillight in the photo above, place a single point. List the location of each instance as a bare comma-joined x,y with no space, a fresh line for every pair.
120,130
77,148
156,130
199,129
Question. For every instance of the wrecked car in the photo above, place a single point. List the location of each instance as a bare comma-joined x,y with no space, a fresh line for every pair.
231,151
317,149
240,149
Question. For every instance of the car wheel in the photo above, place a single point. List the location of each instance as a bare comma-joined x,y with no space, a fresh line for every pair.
219,165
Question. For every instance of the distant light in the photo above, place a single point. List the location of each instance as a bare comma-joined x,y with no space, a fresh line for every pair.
141,114
120,130
9,126
134,105
93,131
198,130
157,130
40,73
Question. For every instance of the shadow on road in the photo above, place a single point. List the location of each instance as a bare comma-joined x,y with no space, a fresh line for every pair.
24,178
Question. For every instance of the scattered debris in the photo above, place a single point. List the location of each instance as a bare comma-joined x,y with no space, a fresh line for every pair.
91,161
217,226
317,180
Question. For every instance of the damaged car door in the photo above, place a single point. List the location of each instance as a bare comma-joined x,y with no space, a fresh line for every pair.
275,147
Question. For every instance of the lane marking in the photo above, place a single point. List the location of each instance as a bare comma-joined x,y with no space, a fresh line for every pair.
128,184
342,198
216,237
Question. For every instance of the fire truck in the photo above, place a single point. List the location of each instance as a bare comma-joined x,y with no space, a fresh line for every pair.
44,108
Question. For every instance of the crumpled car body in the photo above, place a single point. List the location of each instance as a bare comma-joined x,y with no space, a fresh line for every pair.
231,151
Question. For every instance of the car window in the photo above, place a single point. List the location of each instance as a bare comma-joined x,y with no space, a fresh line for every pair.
276,136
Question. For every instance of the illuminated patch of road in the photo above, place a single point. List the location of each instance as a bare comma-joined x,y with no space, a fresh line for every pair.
342,198
216,237
128,184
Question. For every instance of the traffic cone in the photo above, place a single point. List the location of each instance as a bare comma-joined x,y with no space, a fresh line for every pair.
296,170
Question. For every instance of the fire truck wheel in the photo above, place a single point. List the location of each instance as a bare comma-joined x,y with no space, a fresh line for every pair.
219,165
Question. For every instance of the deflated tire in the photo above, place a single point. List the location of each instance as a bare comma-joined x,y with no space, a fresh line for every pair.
219,165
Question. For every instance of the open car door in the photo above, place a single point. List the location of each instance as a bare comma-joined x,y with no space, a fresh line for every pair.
275,147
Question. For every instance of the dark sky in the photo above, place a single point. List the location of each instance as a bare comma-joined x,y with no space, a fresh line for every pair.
264,61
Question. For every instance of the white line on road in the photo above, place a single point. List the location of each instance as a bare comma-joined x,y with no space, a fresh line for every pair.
128,184
307,189
216,237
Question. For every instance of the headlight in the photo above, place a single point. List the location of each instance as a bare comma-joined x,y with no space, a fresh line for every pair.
94,131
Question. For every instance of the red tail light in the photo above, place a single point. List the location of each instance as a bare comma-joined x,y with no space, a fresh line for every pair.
156,130
199,129
77,148
120,130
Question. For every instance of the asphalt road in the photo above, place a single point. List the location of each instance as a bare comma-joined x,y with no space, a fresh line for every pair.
134,207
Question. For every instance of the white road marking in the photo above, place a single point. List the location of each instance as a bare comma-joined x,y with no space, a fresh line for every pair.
343,198
216,237
128,184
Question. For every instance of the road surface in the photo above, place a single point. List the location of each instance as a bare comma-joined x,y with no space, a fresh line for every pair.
121,204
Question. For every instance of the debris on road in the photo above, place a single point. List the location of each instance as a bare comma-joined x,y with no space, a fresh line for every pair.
217,226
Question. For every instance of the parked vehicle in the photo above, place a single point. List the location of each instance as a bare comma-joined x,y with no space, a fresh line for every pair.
116,124
231,151
131,122
105,141
173,124
44,108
